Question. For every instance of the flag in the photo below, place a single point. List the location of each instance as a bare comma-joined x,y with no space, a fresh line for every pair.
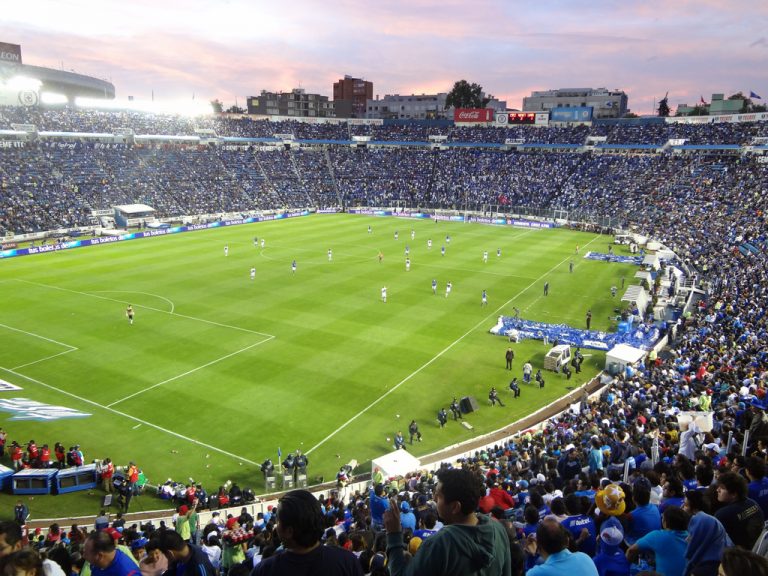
279,452
753,95
703,101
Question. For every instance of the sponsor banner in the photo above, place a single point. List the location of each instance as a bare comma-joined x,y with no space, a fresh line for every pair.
10,53
7,386
5,253
25,409
473,115
327,211
10,245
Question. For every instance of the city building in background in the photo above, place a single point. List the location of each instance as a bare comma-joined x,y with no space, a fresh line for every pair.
294,103
350,97
604,103
718,104
414,107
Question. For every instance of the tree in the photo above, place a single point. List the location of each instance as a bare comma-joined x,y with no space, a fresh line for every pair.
663,109
235,109
466,95
631,115
217,106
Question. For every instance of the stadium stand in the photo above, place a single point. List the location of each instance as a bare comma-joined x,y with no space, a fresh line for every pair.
682,420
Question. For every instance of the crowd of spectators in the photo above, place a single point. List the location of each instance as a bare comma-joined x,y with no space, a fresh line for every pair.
694,496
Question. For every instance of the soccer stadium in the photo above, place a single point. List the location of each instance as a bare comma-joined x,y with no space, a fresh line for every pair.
203,313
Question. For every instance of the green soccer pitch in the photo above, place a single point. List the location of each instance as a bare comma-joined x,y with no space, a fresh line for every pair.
219,370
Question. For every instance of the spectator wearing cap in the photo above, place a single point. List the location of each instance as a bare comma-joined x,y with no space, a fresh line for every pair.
184,559
551,543
521,498
139,549
182,522
610,559
234,540
407,517
105,558
668,545
300,525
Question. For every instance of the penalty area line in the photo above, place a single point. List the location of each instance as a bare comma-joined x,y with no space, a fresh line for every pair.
134,418
188,372
438,355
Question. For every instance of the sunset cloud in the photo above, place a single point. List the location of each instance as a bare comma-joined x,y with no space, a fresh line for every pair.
231,49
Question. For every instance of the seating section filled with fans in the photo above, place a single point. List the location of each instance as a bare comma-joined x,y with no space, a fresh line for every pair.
626,484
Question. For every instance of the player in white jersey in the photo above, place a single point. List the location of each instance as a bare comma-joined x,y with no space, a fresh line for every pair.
330,255
226,249
253,273
498,252
396,234
384,294
407,264
485,256
442,250
262,242
484,299
429,244
293,266
413,234
448,287
434,286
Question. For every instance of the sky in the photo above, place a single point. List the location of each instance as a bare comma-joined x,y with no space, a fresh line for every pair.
232,49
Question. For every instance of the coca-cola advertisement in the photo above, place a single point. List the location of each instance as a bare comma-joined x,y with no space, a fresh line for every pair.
472,115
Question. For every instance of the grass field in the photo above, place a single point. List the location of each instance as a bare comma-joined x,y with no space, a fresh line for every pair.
218,371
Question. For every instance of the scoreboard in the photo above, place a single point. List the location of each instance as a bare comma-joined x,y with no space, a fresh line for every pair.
522,118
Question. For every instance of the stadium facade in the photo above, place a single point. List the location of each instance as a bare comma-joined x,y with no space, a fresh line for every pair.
25,85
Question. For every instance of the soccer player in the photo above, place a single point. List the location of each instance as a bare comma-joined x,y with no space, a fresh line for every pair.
448,239
293,266
498,252
442,250
384,294
546,288
570,267
262,242
330,255
613,291
485,256
407,250
434,286
429,244
407,264
255,241
129,314
448,287
381,256
413,234
484,301
370,230
226,249
253,273
396,234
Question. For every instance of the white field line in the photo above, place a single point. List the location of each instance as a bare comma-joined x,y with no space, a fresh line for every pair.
438,355
92,295
188,372
43,359
173,306
71,348
129,417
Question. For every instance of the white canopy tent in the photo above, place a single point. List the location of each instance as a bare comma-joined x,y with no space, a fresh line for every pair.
621,355
397,463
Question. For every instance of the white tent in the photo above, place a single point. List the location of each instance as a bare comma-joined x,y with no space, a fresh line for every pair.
397,463
620,355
